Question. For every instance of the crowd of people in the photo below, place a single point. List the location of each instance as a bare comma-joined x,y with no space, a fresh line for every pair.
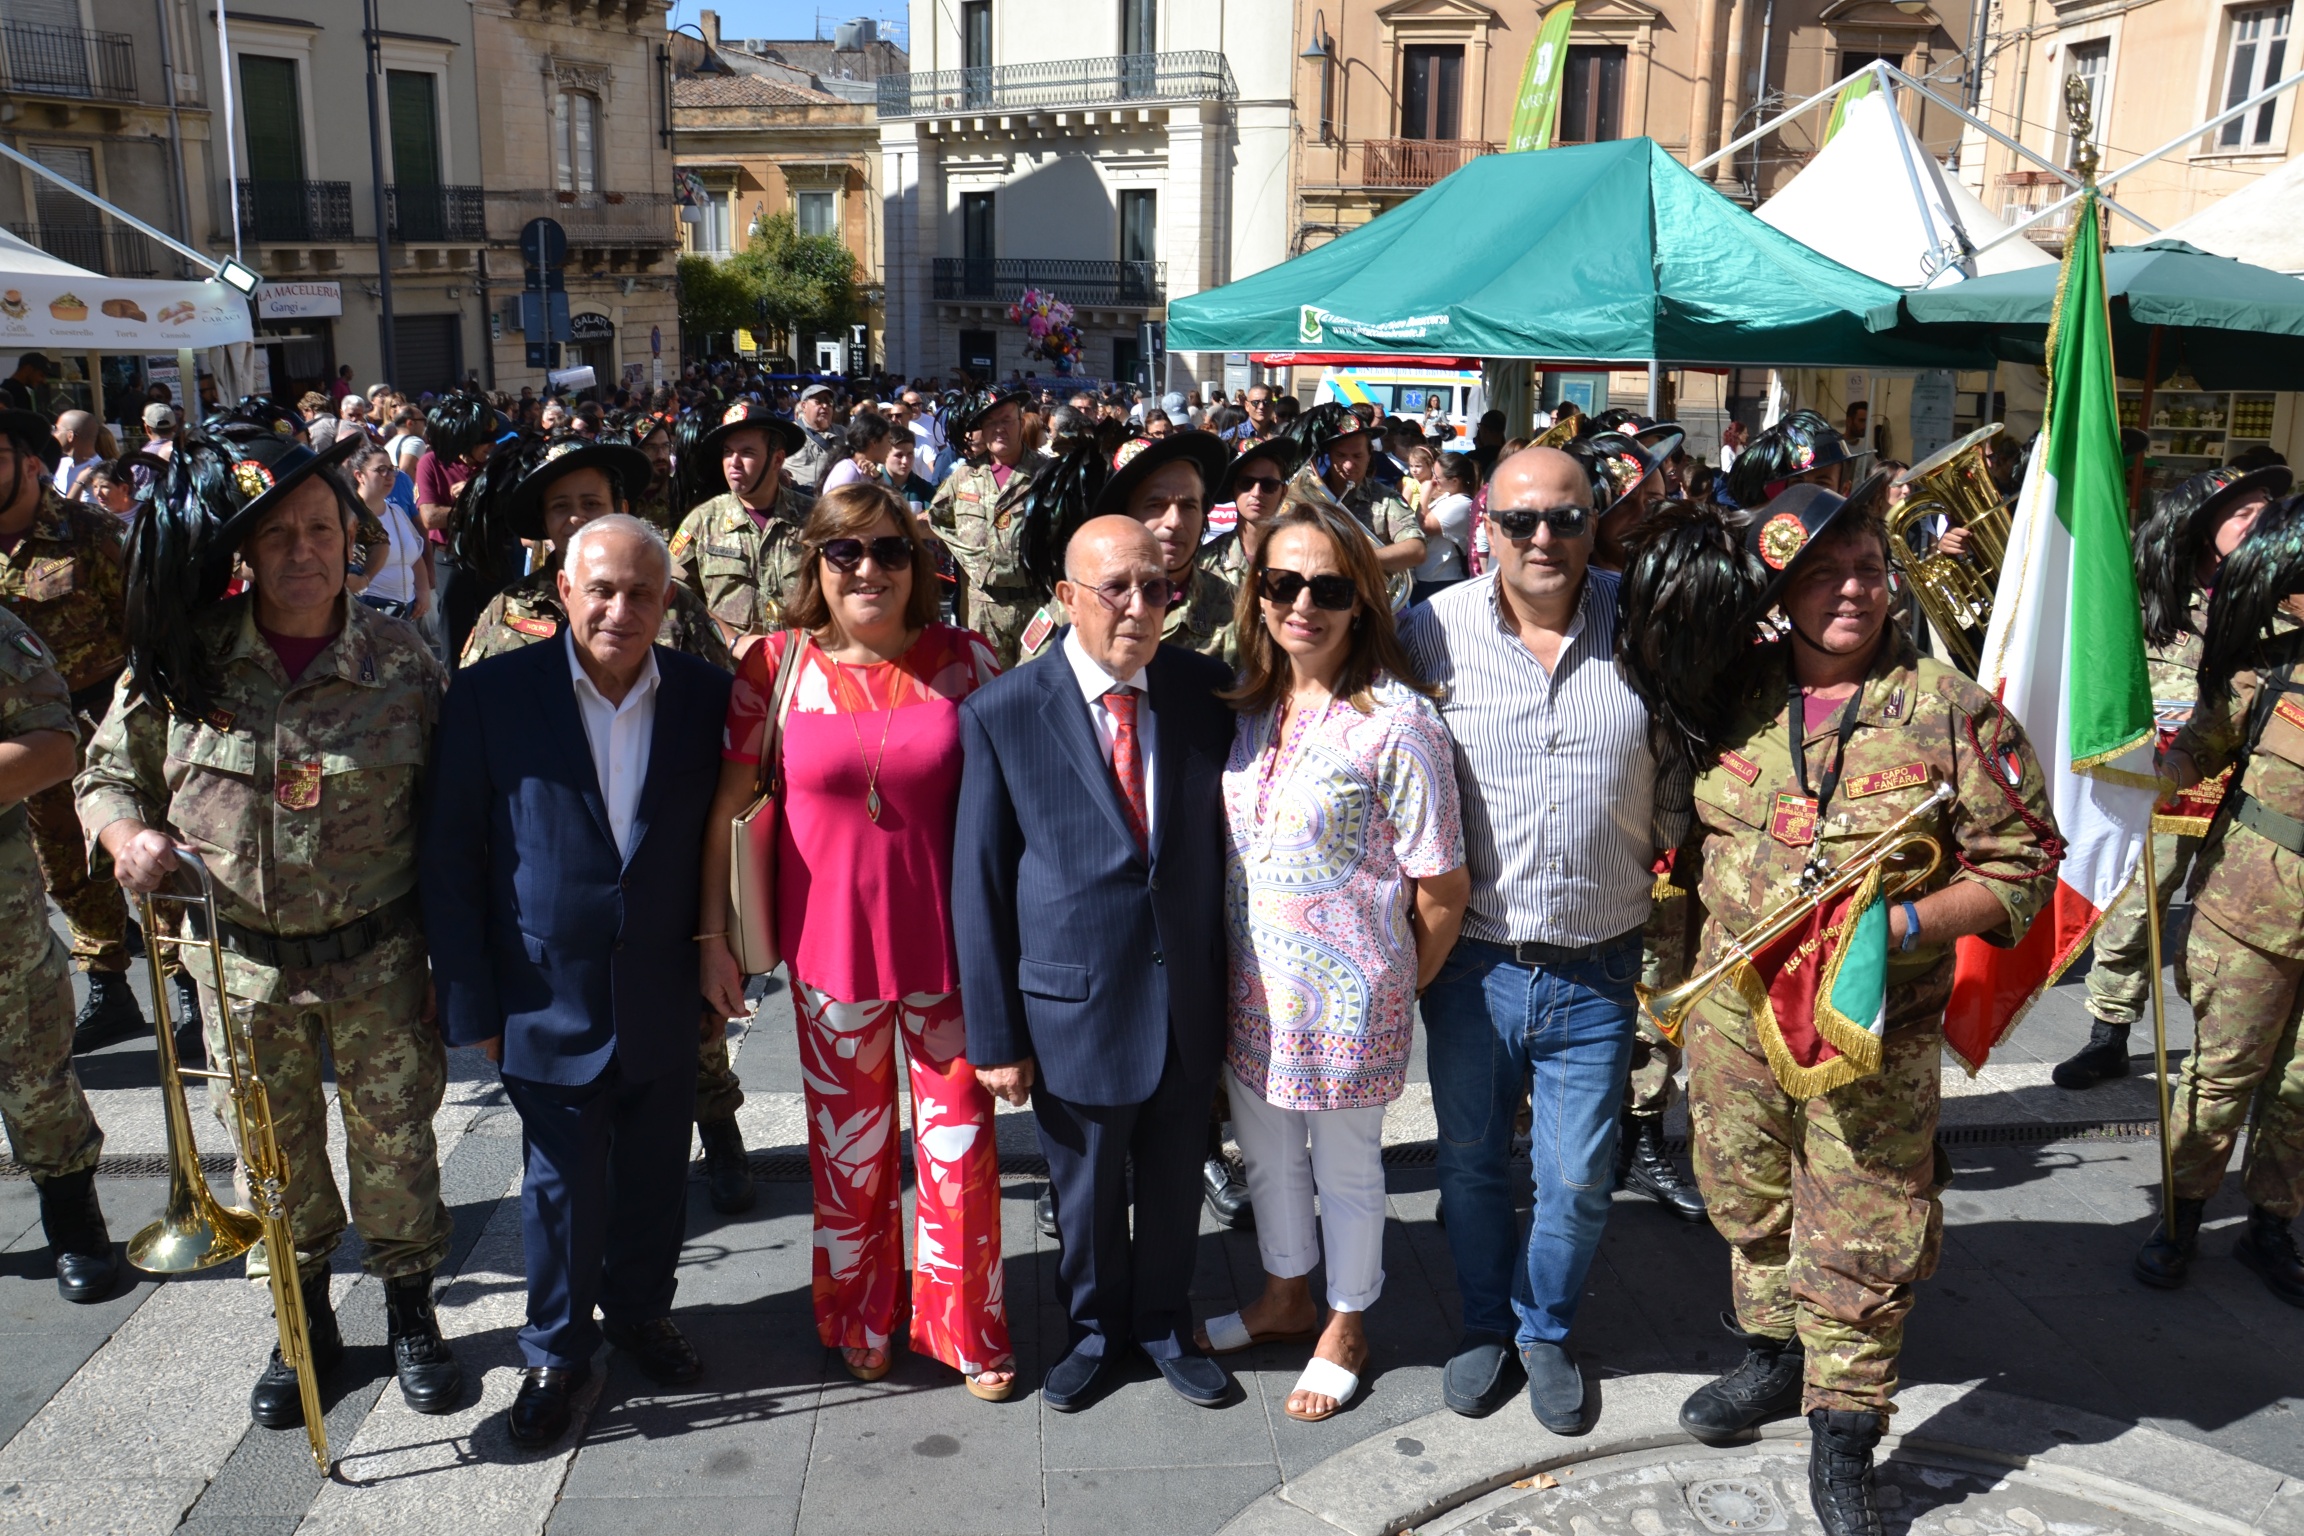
1154,764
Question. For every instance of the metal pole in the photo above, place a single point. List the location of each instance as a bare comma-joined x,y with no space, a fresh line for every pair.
2159,1033
1655,387
9,152
2144,422
1760,91
2063,174
384,337
1733,145
231,155
181,188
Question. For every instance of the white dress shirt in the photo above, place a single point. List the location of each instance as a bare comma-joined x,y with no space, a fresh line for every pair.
619,735
1095,682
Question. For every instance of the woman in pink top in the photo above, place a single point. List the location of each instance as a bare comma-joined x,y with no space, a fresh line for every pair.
871,757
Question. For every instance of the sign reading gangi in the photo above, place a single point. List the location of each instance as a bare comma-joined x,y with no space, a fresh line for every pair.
291,301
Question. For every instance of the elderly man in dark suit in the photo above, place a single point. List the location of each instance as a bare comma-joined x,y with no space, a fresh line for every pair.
1087,901
562,852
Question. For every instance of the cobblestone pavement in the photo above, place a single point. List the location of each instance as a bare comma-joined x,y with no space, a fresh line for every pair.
130,1417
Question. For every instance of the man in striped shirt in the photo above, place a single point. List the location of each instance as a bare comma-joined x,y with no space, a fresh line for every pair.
1565,808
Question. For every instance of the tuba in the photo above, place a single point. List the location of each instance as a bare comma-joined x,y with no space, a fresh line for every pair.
1954,591
198,1232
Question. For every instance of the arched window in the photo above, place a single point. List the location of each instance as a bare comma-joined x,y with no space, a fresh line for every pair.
576,140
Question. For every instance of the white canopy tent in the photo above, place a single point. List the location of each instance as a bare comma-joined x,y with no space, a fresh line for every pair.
50,305
2262,223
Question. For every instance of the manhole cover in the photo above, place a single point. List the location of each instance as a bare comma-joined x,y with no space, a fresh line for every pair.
1736,1504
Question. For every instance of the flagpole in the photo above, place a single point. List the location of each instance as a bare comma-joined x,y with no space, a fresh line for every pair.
2159,1030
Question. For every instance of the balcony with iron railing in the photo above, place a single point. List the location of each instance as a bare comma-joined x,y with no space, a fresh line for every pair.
1101,284
436,214
1114,80
112,252
602,219
67,61
297,212
1417,162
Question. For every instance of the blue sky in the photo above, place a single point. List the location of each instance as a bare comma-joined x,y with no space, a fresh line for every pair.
795,18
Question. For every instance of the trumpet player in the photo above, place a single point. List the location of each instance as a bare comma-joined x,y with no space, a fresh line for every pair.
49,1125
282,734
1816,1156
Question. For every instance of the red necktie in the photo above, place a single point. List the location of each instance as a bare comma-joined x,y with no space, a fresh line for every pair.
1127,763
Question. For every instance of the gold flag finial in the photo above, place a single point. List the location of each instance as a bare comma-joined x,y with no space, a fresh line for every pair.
2080,108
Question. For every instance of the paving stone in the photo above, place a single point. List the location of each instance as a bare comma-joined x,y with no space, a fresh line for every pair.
1114,1501
694,1515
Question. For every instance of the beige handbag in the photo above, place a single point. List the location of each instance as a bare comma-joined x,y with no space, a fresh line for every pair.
752,835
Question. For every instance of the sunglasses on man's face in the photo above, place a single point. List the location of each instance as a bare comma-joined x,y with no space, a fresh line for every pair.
1263,485
1332,592
890,552
1520,522
1159,593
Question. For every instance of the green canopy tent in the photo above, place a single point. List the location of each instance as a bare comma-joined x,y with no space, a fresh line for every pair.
1602,253
2175,308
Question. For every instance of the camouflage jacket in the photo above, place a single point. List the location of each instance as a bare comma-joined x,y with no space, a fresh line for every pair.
64,580
1202,622
737,565
654,510
33,698
1752,817
2249,884
979,524
1383,514
301,797
529,610
1225,556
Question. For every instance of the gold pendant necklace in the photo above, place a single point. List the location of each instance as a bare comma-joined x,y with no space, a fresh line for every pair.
872,765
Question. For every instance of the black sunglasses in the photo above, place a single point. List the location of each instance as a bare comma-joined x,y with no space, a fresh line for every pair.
890,552
1520,522
1332,592
1268,484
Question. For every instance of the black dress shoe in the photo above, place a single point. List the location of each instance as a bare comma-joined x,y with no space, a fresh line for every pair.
2267,1247
86,1270
1227,1194
2102,1059
111,1013
727,1166
277,1401
1766,1384
1645,1168
1044,1214
1197,1379
539,1415
2167,1254
1071,1381
1555,1388
430,1378
1840,1471
657,1347
1480,1376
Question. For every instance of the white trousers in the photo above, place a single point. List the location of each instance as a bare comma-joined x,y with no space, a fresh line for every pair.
1338,1154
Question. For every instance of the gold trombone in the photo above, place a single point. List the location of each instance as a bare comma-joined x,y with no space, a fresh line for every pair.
199,1232
1954,591
1669,1010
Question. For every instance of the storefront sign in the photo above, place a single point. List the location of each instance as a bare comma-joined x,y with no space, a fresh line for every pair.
292,301
588,326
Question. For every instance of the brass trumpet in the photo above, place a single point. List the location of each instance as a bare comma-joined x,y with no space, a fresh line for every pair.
1955,592
1669,1010
199,1232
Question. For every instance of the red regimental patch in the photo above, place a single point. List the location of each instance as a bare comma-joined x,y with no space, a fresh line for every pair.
1743,767
2290,711
1887,779
1794,823
542,629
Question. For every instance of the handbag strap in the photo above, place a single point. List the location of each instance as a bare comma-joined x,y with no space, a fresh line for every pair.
767,770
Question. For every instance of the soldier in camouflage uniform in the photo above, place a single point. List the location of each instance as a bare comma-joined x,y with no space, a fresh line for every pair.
2191,529
739,551
573,482
283,735
1254,483
1824,1174
60,573
49,1126
976,513
1341,447
2247,943
653,506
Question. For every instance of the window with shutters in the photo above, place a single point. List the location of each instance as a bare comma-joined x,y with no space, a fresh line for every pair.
2087,63
415,116
272,118
576,141
818,212
2256,56
1592,95
1431,91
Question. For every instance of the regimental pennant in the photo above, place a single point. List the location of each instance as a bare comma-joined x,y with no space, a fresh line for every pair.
1818,995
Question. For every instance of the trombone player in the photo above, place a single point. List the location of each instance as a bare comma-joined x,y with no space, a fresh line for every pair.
1821,1169
282,734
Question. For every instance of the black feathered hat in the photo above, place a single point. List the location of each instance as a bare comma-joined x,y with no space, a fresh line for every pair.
751,415
1324,426
32,433
1800,443
1063,494
1286,453
1681,635
627,469
2263,572
1140,459
2172,540
972,409
1620,464
460,423
1783,531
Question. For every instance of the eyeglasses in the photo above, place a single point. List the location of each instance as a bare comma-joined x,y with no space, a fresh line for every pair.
1268,485
1159,592
1520,522
1332,592
890,552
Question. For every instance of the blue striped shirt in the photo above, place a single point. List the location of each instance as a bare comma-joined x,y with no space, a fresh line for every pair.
1564,805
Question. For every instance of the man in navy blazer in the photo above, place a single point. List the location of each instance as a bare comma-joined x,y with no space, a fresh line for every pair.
562,851
1087,901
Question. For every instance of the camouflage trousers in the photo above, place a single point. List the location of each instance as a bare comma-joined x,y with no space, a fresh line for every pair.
391,1074
718,1094
1829,1204
2245,1029
50,1128
1663,965
1000,616
2120,975
94,909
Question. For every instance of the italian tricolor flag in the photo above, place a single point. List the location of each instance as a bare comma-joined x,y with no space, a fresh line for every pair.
2065,654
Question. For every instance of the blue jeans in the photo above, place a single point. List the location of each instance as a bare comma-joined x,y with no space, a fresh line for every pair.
1490,1023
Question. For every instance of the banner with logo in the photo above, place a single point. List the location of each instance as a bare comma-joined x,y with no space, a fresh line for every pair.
1539,105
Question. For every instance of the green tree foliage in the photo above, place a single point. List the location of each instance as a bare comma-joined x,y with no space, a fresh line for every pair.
781,280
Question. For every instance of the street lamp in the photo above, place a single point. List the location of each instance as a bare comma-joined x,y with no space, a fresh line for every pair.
1322,50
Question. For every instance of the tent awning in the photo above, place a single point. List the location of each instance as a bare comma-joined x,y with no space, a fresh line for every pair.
2261,223
50,304
1611,253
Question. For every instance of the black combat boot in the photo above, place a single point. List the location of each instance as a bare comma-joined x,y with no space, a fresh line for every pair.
111,1012
2168,1253
2269,1248
2102,1059
277,1402
727,1166
86,1270
1645,1168
191,1041
1766,1384
1840,1471
430,1378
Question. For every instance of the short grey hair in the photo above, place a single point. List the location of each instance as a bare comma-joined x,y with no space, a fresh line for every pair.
630,527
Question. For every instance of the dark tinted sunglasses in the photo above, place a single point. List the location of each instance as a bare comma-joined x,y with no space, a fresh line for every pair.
1520,522
890,552
1268,484
1332,592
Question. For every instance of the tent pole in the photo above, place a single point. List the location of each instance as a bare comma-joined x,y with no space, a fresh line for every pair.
1725,150
1655,387
2033,155
2144,422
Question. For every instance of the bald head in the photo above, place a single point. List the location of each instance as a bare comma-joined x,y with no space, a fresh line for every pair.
1111,571
76,430
1539,566
1540,477
1103,544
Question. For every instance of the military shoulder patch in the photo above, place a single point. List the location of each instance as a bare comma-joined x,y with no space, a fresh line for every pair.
680,543
542,629
1887,779
222,719
1743,767
29,646
2292,712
